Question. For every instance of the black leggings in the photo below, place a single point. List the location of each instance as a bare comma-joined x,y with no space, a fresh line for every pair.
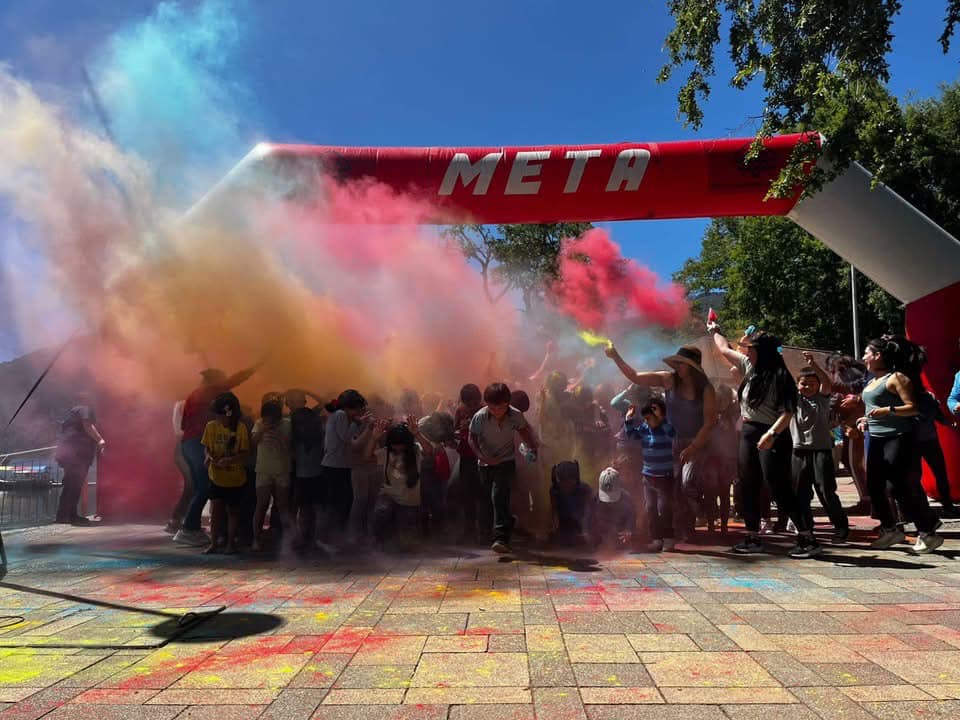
893,462
338,497
766,468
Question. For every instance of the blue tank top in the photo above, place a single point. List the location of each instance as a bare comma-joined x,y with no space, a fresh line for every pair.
878,396
686,416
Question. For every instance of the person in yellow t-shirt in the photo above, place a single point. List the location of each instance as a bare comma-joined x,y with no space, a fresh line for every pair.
227,444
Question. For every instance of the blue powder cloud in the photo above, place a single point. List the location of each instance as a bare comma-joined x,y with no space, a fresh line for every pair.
172,91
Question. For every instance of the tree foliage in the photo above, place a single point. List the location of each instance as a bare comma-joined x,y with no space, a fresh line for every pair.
524,258
770,273
807,54
773,274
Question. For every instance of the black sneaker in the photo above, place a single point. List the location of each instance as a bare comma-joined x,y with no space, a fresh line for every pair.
951,512
805,548
751,545
840,536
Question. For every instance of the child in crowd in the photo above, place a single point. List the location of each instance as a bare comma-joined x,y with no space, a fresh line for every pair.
528,477
439,468
629,449
469,497
272,439
349,426
813,466
226,444
248,505
571,501
492,439
555,425
719,471
398,503
306,440
612,520
659,479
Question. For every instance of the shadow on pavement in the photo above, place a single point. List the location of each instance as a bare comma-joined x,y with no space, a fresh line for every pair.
225,626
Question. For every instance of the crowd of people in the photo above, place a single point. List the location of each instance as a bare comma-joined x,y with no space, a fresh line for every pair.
641,469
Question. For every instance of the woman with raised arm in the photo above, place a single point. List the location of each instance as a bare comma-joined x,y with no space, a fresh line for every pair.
893,456
692,411
768,400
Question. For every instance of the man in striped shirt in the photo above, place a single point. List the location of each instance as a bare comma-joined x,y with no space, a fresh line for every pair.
659,479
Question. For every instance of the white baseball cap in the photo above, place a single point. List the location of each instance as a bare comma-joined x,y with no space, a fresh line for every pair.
610,490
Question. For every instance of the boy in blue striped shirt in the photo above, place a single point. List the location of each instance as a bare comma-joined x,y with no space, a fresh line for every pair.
659,479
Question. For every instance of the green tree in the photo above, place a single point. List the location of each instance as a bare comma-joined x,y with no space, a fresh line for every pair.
770,273
524,258
808,54
756,264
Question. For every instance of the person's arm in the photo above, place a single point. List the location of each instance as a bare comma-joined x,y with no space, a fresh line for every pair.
620,403
953,400
901,385
87,419
316,398
178,419
781,425
529,437
91,430
939,416
474,441
723,347
426,443
546,361
826,382
359,441
657,378
709,421
241,377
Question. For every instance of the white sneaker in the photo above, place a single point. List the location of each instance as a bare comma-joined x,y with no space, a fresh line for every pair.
669,544
888,538
655,546
927,542
191,538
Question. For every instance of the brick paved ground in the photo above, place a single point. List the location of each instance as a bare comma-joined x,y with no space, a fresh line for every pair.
466,635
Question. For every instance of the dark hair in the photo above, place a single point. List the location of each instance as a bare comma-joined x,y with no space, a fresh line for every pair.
227,401
496,394
902,356
651,405
470,395
347,400
807,371
769,372
556,382
272,410
399,434
520,400
583,394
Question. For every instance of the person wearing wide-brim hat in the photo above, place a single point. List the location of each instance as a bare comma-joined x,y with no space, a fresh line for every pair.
691,409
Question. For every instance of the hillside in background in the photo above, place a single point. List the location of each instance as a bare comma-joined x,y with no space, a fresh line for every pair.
36,426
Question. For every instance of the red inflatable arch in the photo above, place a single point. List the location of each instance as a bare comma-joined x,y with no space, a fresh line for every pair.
875,229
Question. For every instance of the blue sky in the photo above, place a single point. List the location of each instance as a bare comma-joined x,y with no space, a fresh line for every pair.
448,73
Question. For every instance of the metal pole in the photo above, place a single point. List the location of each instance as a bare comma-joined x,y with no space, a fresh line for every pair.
856,316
